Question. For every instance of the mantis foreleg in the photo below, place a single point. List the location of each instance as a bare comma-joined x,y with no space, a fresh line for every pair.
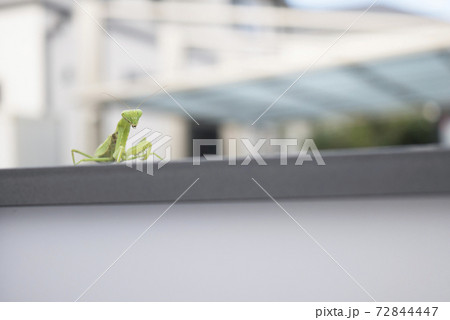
119,153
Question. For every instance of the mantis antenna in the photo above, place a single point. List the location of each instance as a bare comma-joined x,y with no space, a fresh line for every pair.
140,104
119,101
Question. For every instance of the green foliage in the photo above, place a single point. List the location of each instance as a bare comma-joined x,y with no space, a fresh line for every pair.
375,132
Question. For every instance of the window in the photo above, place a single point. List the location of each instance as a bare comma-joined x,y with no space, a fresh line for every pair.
205,131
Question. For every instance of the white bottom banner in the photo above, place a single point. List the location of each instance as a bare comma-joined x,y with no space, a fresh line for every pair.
224,310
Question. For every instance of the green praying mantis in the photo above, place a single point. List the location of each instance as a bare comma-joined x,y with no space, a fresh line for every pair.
113,148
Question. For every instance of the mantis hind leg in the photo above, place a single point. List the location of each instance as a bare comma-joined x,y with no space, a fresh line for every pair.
148,153
141,150
79,152
144,156
88,158
95,160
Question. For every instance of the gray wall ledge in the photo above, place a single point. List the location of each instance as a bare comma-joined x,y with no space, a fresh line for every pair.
369,172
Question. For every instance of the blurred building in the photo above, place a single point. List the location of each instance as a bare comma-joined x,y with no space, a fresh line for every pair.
224,62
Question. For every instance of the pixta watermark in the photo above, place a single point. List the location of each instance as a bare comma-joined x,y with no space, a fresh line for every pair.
149,147
308,151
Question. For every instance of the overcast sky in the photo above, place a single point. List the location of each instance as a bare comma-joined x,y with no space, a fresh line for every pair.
439,9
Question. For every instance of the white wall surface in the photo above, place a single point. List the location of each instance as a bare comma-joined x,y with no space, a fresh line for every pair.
397,248
22,76
8,141
22,61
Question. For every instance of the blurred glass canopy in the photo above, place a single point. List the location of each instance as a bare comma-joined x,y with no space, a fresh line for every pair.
338,66
371,88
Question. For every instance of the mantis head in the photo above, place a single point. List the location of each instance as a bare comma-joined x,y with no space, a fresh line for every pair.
132,116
